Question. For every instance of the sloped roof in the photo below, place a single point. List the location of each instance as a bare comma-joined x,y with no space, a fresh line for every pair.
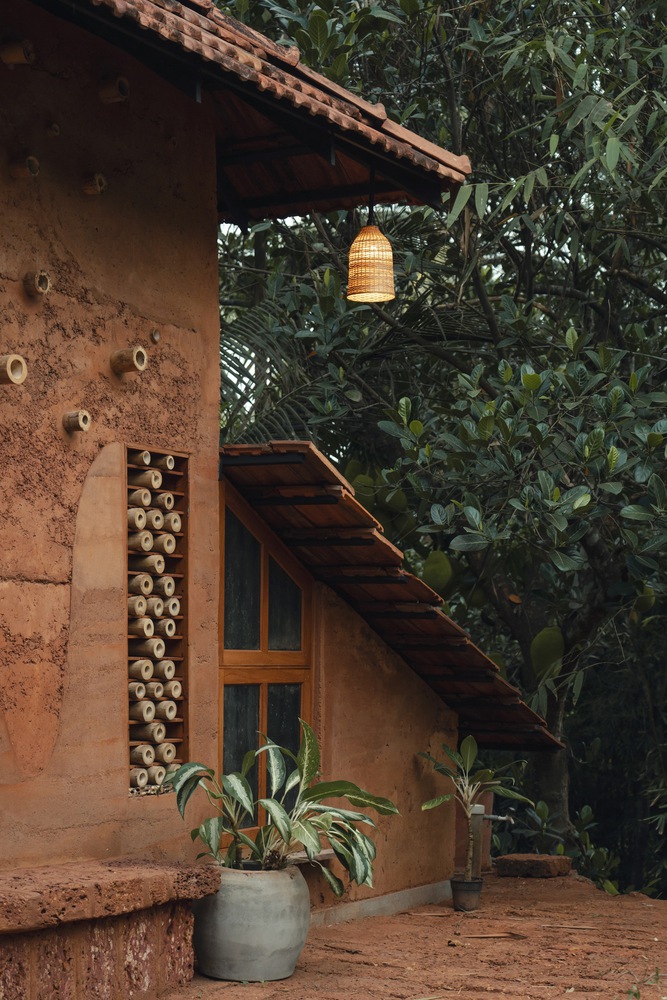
312,509
290,140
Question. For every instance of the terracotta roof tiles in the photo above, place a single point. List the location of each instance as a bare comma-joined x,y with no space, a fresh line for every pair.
233,52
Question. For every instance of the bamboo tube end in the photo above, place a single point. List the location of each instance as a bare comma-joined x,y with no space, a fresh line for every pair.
95,184
114,90
129,359
78,420
24,168
18,53
36,284
13,369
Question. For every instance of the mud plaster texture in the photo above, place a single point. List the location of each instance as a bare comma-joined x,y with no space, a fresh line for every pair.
374,715
560,939
139,258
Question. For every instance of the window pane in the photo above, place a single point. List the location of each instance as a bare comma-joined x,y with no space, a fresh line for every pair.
284,709
284,609
242,585
241,723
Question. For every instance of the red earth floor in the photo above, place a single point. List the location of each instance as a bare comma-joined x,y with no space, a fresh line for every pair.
532,939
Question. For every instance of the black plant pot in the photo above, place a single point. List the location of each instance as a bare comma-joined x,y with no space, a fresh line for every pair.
465,894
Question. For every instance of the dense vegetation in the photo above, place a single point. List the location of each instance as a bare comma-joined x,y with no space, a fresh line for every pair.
505,416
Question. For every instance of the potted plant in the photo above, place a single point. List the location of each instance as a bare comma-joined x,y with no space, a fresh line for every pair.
254,928
469,785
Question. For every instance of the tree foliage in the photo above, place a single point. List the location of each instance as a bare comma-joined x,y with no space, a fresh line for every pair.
513,394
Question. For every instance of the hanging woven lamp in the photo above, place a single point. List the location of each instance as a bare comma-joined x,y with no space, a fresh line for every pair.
371,265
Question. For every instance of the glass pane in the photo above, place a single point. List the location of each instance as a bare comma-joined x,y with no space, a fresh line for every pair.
241,723
242,585
284,709
284,609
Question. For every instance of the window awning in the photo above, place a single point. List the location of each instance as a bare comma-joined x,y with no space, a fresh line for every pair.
289,141
312,509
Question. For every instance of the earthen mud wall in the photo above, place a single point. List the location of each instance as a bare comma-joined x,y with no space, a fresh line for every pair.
141,257
374,715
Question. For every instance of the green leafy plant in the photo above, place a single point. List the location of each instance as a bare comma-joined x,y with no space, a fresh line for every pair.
296,817
596,863
531,832
470,781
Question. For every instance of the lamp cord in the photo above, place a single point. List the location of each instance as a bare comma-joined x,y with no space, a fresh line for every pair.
371,196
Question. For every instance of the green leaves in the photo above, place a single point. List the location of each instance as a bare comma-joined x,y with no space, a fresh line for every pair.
303,824
308,757
460,202
612,153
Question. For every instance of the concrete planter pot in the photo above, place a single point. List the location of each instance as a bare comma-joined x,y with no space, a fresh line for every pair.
254,928
466,893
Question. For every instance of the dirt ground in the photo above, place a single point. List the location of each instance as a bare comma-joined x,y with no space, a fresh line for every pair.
531,938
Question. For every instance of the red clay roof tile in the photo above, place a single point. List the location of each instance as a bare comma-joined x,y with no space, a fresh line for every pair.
197,27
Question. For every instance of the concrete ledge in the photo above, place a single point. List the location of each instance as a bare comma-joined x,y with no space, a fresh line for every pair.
37,898
533,865
383,906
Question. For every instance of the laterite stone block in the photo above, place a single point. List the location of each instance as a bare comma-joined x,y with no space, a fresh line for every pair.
533,865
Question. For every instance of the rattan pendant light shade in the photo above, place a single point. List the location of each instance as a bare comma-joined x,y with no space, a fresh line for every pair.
371,267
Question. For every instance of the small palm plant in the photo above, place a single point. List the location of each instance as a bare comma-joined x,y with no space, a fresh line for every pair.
469,785
294,822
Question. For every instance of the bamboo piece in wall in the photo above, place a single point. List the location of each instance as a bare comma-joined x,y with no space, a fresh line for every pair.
165,670
143,755
164,543
172,521
155,519
154,647
140,498
142,583
166,710
155,732
137,690
165,501
142,711
164,585
154,689
138,777
136,606
155,606
172,607
153,563
156,774
172,768
76,421
17,53
141,626
165,753
136,518
164,462
139,457
140,541
165,627
13,369
141,670
150,478
173,689
128,359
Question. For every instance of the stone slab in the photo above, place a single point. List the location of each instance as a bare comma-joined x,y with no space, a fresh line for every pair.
36,898
533,865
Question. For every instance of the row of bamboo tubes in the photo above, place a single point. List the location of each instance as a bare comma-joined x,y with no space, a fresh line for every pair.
154,619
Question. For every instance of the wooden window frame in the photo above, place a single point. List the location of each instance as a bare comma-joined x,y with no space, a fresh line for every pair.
263,665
